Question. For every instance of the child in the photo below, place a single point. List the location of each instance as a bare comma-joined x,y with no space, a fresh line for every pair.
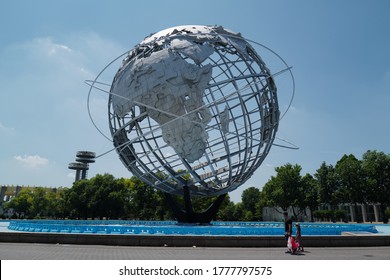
298,237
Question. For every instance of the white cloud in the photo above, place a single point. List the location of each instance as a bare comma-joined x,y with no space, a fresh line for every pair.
31,161
55,49
5,128
59,57
49,47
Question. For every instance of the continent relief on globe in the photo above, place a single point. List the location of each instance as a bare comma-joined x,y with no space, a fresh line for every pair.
170,90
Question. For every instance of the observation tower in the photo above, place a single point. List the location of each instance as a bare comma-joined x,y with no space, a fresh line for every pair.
83,159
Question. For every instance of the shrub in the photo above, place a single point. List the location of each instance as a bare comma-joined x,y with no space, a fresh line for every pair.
387,213
329,215
339,214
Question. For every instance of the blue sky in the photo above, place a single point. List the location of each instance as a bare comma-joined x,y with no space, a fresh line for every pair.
339,51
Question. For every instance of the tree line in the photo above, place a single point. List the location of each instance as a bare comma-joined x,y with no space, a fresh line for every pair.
349,181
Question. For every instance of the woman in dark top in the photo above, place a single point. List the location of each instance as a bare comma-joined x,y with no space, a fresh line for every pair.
287,226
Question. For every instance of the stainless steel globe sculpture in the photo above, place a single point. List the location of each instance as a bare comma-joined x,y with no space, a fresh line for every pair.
193,109
193,106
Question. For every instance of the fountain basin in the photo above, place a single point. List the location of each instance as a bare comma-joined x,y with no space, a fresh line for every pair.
174,228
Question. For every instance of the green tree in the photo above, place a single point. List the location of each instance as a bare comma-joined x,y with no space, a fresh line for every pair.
283,190
327,185
77,199
39,203
376,166
250,197
143,200
226,213
106,200
53,198
239,212
352,180
309,194
22,203
162,210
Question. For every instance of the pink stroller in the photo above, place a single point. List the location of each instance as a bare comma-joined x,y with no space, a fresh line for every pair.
292,245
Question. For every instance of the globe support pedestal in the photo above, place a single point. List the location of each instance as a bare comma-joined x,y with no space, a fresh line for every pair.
187,215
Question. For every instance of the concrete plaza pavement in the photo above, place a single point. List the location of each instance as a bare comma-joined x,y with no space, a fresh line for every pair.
36,251
43,248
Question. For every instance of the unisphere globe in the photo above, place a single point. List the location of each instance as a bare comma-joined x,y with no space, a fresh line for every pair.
193,106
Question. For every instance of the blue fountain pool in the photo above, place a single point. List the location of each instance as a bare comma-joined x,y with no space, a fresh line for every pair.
174,228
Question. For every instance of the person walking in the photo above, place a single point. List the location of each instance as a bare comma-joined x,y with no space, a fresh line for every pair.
287,229
298,237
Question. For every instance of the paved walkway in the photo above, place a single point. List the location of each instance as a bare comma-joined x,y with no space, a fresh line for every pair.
35,251
26,251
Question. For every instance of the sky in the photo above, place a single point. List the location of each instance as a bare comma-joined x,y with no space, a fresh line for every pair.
339,51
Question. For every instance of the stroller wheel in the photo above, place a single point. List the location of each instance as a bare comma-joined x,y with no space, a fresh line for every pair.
294,252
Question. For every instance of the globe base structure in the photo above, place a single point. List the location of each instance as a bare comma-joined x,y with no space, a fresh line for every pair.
187,214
